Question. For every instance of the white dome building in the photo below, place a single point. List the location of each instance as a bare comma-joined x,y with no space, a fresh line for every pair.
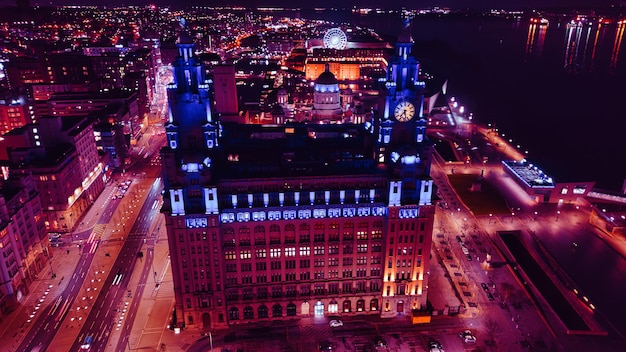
326,98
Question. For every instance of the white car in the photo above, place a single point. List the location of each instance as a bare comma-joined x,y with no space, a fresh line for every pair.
335,323
467,336
435,346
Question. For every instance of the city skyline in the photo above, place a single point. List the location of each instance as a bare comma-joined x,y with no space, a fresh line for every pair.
394,4
310,184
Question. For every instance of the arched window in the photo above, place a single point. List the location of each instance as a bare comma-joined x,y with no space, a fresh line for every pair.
305,233
290,233
274,234
274,228
333,307
259,235
348,231
233,314
347,306
291,310
277,311
360,305
263,311
244,236
374,304
248,313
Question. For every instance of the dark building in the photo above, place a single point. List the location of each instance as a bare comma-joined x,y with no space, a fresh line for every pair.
70,68
60,154
23,71
297,220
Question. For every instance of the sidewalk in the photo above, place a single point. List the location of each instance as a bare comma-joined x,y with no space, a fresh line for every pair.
150,330
16,326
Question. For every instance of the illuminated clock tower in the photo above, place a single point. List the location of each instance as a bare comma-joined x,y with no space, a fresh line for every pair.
404,94
190,196
403,148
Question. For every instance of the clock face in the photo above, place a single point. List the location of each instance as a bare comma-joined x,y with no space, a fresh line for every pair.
404,111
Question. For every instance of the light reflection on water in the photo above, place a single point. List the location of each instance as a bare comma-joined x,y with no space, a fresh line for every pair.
581,41
555,89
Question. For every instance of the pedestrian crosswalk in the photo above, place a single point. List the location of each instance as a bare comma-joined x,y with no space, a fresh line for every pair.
97,232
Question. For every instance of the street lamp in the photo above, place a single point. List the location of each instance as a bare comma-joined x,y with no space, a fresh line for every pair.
558,212
51,268
512,215
490,217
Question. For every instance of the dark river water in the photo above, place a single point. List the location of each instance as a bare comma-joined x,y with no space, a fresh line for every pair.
557,90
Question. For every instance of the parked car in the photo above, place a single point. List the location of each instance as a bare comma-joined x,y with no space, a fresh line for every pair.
335,323
467,336
485,287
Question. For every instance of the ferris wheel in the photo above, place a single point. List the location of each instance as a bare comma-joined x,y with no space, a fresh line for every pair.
335,38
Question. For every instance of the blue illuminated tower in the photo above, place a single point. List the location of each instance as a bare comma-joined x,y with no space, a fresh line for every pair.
402,142
403,149
192,138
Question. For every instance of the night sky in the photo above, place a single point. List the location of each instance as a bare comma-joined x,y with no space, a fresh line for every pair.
347,3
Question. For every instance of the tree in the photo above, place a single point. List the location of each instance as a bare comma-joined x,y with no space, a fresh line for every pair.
492,328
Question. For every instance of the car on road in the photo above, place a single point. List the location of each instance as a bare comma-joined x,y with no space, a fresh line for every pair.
87,343
325,346
467,336
379,343
485,287
335,323
490,296
469,257
434,346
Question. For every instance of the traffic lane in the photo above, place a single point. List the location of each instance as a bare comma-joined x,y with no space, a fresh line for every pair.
55,317
123,266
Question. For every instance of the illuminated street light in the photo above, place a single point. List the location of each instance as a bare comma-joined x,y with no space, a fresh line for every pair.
558,212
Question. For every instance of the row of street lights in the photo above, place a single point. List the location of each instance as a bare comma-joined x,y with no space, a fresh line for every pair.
535,217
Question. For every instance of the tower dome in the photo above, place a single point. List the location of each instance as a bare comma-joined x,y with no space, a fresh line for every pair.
327,77
326,99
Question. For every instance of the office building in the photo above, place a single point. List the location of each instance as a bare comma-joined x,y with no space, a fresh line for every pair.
300,220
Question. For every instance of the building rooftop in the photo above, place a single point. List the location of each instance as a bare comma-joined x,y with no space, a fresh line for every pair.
296,150
104,95
530,174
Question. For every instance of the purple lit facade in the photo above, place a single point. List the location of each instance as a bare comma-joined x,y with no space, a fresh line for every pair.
296,220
